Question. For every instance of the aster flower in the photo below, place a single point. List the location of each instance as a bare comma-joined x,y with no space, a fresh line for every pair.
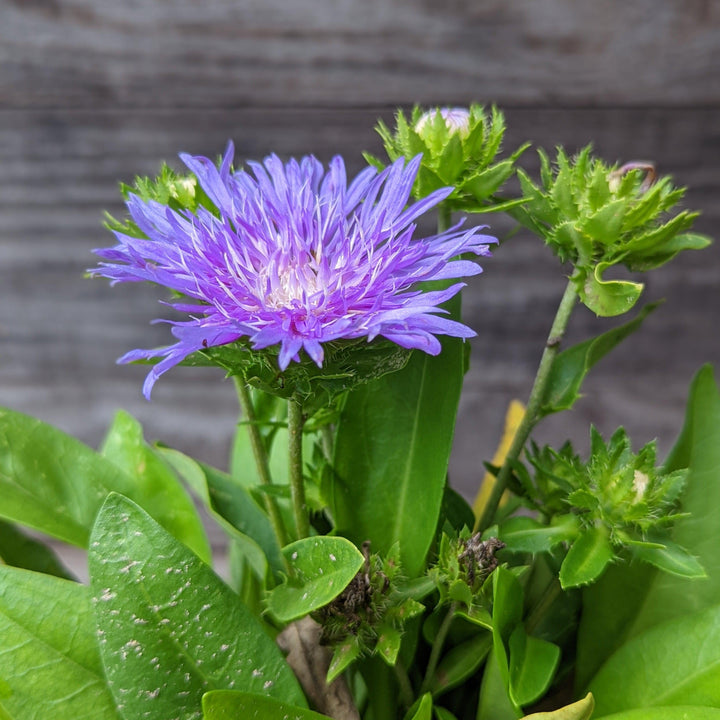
291,255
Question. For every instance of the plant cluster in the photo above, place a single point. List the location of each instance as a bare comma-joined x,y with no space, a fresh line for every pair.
360,584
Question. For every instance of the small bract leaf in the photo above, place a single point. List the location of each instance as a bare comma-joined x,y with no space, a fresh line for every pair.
321,568
343,656
671,558
608,298
587,558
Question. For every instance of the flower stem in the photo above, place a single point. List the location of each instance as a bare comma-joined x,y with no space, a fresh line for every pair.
550,594
261,458
437,647
404,685
537,395
297,486
444,217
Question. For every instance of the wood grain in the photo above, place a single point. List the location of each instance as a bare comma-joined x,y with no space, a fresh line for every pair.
306,53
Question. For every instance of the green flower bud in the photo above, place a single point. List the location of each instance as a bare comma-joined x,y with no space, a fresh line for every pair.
596,216
460,148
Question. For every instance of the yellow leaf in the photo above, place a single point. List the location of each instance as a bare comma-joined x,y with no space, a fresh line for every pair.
513,418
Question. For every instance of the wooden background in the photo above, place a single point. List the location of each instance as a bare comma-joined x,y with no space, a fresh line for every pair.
95,91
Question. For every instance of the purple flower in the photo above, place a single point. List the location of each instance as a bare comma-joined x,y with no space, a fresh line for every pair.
295,257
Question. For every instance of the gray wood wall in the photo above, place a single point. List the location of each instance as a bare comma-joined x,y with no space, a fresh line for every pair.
95,91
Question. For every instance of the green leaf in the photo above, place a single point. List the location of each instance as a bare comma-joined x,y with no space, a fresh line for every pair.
674,663
671,558
506,615
22,551
650,597
451,160
388,643
320,569
170,629
232,704
49,663
391,455
53,483
234,509
533,663
580,710
344,655
487,182
525,534
460,663
494,703
423,711
679,712
443,714
608,298
126,448
587,558
571,366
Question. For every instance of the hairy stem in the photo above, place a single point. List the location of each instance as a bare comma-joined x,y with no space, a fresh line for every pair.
437,648
537,395
261,458
297,485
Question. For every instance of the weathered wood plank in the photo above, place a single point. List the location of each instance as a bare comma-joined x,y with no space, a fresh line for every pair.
60,333
101,53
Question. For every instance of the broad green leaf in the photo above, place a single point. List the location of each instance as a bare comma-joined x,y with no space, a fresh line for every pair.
525,534
391,455
649,596
674,663
460,663
234,508
22,551
533,663
53,483
587,558
580,710
170,629
126,448
49,662
608,298
494,703
571,366
231,705
679,712
320,569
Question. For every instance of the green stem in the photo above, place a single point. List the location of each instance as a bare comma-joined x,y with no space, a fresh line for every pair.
328,441
261,458
444,217
550,594
537,395
404,684
437,648
297,486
